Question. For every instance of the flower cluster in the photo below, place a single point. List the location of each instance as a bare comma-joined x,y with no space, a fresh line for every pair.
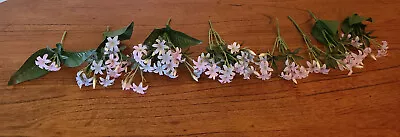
106,68
162,59
354,60
315,67
224,61
264,67
293,71
49,65
224,69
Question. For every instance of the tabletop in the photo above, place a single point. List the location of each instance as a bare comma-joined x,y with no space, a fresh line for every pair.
363,104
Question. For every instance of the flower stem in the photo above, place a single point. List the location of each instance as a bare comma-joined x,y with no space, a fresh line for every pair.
169,21
63,37
312,15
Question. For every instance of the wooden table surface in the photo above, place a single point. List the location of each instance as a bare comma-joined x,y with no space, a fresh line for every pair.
364,104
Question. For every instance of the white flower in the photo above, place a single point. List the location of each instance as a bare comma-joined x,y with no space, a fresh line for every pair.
79,79
53,67
87,81
265,70
112,61
146,67
170,67
111,46
139,50
114,73
159,68
97,67
41,62
324,70
177,56
213,71
301,73
264,76
382,51
112,42
248,71
227,74
165,58
171,74
201,64
225,78
126,85
160,47
106,81
356,42
234,47
264,67
239,68
314,67
139,89
228,70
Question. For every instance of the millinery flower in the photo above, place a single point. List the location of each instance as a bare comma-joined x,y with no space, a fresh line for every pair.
213,71
112,42
106,81
53,67
160,47
234,47
200,64
111,46
166,57
356,42
146,67
41,62
126,85
113,61
159,68
97,67
382,51
139,50
139,89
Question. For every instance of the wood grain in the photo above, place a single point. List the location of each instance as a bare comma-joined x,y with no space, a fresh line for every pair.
364,104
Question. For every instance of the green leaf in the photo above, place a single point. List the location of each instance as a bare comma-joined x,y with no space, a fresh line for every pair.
75,59
346,28
181,40
153,36
356,19
324,27
29,70
330,25
123,33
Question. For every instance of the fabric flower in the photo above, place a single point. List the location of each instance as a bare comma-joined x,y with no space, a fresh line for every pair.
159,68
213,71
106,81
139,89
112,61
234,47
97,67
139,50
53,67
160,47
42,61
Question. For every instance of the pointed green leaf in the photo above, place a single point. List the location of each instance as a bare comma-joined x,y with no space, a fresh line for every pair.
153,36
181,40
75,59
356,19
29,70
123,33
